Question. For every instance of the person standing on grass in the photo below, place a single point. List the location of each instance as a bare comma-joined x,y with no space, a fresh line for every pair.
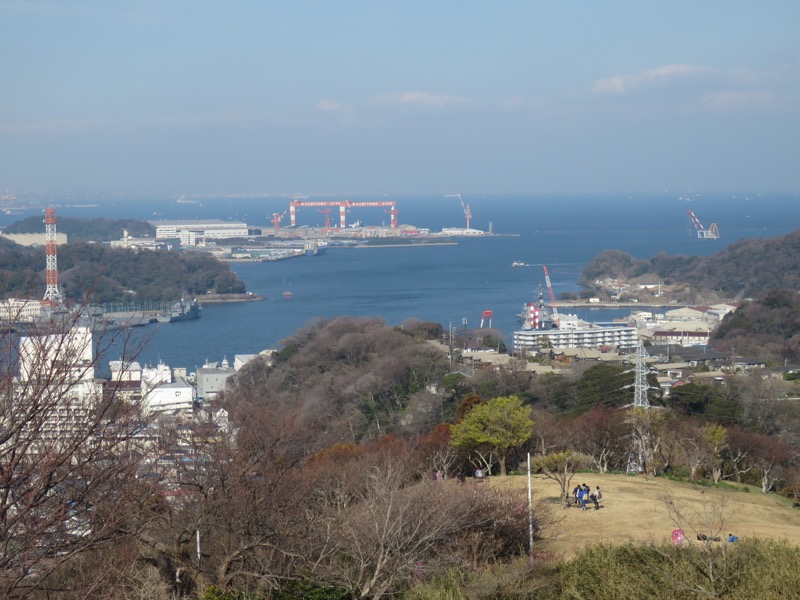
582,497
597,495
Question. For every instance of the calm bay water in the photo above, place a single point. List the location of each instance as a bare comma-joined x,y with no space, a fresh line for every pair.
445,284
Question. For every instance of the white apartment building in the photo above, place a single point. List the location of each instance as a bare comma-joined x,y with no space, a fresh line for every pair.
587,336
20,310
57,373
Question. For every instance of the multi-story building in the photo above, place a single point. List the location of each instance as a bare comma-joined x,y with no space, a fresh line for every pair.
56,388
20,310
191,232
583,336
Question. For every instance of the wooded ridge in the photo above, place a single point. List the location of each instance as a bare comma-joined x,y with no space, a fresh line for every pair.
749,267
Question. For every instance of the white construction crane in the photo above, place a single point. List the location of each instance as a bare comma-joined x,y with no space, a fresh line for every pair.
464,207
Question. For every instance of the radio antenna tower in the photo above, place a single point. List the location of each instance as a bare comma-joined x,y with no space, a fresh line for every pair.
52,295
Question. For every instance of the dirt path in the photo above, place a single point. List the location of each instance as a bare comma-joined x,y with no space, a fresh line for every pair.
636,509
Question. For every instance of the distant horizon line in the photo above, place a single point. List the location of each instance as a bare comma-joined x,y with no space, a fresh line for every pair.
678,195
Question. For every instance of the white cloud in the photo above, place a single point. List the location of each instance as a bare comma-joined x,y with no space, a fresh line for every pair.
620,84
419,99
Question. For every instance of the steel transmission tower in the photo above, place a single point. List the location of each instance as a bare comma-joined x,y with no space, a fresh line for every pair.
639,437
640,385
52,295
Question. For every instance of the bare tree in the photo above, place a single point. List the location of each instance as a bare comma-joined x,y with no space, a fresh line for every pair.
561,467
69,450
393,530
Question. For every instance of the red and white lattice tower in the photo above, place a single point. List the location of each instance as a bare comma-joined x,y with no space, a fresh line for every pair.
52,295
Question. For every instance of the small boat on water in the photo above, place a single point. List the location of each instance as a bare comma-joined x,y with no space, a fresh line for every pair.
517,263
287,294
180,311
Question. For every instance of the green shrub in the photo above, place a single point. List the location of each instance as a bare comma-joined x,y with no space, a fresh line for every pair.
750,568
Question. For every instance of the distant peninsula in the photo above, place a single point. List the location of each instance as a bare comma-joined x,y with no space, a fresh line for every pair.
115,275
747,268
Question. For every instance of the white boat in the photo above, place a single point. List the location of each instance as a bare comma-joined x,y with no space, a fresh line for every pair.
517,263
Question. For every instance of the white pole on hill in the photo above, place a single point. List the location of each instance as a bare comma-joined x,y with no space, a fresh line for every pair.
530,510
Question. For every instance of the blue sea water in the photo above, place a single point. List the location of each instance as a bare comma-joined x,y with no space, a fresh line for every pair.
446,284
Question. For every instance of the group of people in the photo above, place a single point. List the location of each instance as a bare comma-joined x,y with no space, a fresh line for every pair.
582,495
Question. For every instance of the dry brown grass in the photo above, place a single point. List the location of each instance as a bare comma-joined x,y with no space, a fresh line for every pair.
634,509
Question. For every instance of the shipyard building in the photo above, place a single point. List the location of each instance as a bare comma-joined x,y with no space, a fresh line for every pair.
192,232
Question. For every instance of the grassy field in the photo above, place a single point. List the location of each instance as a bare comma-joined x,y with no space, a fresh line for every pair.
640,509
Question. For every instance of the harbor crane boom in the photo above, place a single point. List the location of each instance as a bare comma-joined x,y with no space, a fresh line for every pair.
276,219
712,233
464,207
552,295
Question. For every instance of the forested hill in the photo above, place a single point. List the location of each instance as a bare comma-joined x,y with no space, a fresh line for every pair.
749,267
96,230
115,275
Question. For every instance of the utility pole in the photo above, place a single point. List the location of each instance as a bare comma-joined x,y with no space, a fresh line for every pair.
450,345
530,511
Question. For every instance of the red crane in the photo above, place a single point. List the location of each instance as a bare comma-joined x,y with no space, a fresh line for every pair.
553,308
327,213
276,219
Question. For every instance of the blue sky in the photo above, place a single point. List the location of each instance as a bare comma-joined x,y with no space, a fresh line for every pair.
170,97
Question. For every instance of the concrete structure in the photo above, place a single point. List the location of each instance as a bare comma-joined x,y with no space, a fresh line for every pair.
191,232
460,231
211,379
57,372
162,394
146,243
122,371
20,310
582,336
169,397
682,333
59,357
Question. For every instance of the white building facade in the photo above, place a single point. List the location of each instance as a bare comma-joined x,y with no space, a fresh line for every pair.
190,232
593,336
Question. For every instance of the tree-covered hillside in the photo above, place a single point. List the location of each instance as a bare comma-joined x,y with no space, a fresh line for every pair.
84,230
351,378
767,328
748,267
115,275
